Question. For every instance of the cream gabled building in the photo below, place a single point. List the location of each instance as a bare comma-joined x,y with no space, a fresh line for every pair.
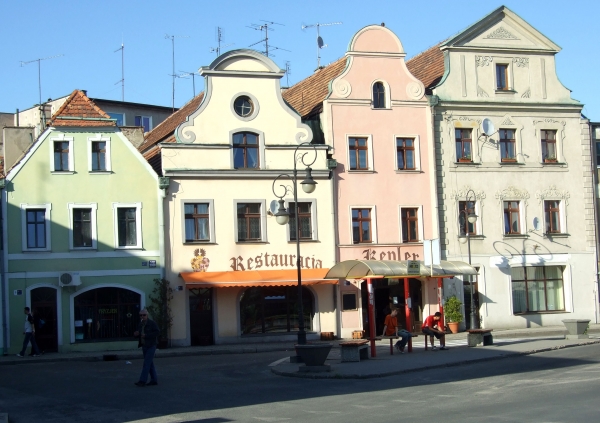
529,181
232,265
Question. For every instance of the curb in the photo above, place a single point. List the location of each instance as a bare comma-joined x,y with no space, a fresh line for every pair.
437,366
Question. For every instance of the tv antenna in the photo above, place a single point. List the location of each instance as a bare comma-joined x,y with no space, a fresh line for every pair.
320,43
265,27
288,71
122,81
172,38
39,71
219,39
184,75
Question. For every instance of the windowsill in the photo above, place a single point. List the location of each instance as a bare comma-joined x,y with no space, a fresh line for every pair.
75,249
556,235
412,243
363,243
553,163
360,171
247,168
37,250
476,237
199,243
409,171
303,241
542,312
466,163
100,172
511,163
381,108
500,91
252,242
128,248
62,172
515,236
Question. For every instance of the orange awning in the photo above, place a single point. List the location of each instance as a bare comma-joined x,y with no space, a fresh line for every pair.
288,277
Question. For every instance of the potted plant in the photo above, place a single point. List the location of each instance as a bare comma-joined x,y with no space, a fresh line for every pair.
465,159
453,313
551,158
160,309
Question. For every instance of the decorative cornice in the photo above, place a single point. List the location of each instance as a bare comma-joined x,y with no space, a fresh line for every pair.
549,120
461,194
521,62
507,121
481,92
483,60
501,34
512,193
552,193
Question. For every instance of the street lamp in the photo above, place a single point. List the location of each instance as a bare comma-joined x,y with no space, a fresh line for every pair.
465,237
283,217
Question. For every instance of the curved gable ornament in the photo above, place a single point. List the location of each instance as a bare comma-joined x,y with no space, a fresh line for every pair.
461,194
512,193
342,88
552,193
501,34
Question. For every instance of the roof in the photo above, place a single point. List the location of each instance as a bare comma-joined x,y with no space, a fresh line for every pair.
428,67
167,127
306,97
80,111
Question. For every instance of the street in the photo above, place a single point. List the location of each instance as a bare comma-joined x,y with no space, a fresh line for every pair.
557,386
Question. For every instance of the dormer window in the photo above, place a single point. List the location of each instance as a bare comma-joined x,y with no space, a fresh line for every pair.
378,95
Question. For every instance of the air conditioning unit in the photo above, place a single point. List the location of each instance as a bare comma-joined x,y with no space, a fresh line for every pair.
69,279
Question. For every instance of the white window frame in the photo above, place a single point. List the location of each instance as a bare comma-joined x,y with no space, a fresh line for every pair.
118,113
211,220
388,96
313,218
522,217
261,148
94,208
150,126
373,223
417,143
263,220
24,208
420,226
563,216
370,163
107,161
138,225
504,61
62,138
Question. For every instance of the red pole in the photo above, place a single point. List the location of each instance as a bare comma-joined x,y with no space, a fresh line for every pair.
440,296
407,312
371,294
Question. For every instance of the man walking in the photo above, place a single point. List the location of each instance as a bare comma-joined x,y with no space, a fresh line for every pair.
147,331
29,332
432,326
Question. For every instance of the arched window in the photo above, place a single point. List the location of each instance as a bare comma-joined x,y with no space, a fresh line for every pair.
274,309
378,95
245,151
106,313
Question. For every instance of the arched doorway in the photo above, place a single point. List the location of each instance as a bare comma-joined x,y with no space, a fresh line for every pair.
274,309
43,305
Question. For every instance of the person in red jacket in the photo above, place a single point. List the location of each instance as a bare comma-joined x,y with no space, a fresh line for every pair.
433,326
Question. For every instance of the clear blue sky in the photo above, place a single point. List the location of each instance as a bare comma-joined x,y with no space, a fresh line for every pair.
88,32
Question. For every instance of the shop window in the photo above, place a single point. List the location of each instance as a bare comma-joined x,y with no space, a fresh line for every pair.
463,145
349,301
361,226
507,145
106,314
274,310
245,151
537,289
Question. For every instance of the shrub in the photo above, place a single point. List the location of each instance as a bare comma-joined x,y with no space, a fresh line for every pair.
160,308
453,310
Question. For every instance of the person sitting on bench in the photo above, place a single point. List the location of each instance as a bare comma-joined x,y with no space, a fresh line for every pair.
431,326
390,328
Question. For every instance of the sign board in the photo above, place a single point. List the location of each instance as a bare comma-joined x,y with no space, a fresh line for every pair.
413,267
18,292
431,250
152,263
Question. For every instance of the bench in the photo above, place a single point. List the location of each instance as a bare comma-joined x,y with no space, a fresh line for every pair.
480,336
354,350
391,338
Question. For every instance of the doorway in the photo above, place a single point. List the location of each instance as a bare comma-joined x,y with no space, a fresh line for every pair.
43,306
201,317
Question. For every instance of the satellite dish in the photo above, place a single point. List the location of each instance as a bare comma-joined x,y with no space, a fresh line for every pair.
536,224
488,127
320,42
273,207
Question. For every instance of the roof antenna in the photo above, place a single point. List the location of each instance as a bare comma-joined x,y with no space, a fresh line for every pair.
193,75
288,71
122,81
219,37
39,71
320,43
172,38
265,27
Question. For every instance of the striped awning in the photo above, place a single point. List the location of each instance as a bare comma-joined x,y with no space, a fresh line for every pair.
360,269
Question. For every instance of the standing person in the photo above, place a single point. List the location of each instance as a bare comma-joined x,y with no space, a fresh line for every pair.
147,331
431,326
29,332
390,328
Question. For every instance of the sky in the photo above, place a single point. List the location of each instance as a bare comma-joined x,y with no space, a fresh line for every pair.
86,37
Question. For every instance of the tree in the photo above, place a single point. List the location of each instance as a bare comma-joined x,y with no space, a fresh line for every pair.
160,308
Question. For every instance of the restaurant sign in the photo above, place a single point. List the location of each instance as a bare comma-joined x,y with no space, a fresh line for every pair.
273,260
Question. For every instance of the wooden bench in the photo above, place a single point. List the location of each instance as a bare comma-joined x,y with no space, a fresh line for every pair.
392,338
354,350
480,336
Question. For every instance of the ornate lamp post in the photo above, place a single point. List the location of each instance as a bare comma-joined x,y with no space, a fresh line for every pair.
465,237
283,217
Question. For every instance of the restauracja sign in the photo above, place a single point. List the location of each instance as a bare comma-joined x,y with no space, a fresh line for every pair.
274,260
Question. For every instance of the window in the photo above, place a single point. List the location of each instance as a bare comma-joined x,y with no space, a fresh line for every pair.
358,148
245,150
83,226
243,106
144,121
507,145
61,156
405,151
512,218
197,222
361,226
106,313
463,145
549,146
305,216
410,224
348,301
378,95
502,77
249,222
35,227
552,216
464,209
274,309
128,225
119,117
99,153
537,288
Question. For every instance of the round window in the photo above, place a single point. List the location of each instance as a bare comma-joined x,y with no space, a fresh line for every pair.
243,106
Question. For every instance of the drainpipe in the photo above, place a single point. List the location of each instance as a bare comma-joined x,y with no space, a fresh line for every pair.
4,292
162,193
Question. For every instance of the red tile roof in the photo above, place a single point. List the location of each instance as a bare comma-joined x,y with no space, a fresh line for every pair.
82,110
428,66
306,97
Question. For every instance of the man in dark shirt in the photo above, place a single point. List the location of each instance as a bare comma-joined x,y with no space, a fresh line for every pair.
29,332
147,332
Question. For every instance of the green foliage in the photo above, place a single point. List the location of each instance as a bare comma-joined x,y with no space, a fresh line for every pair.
453,310
160,308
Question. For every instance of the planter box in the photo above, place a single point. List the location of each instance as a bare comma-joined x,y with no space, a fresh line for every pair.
313,354
327,336
576,328
357,334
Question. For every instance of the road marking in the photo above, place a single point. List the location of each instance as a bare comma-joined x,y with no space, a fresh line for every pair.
275,363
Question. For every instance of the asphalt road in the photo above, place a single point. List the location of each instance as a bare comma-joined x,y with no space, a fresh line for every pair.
557,386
